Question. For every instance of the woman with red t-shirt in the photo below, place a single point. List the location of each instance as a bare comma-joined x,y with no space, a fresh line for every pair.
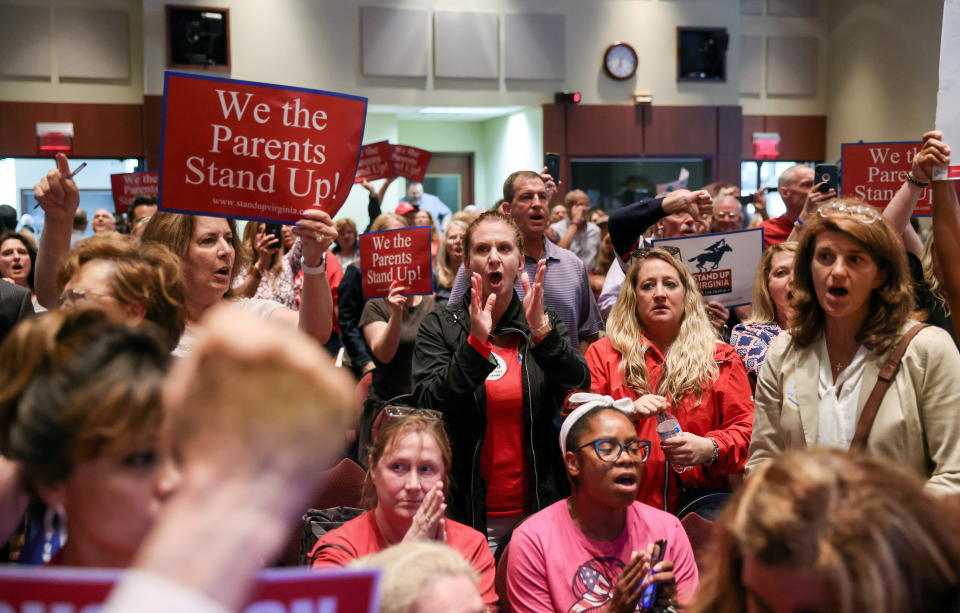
662,352
409,463
498,367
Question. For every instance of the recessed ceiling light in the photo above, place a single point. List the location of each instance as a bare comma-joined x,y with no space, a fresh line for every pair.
461,110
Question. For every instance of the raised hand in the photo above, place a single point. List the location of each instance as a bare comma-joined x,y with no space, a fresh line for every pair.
550,182
56,192
533,297
816,198
266,245
481,311
396,300
578,216
760,200
317,232
428,521
699,203
367,185
935,152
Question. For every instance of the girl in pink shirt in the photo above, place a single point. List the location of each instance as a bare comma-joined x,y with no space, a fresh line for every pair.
593,550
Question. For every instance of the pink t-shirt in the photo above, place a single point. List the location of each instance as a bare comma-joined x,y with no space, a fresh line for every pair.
552,566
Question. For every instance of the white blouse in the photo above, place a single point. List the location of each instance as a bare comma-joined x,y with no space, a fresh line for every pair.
837,409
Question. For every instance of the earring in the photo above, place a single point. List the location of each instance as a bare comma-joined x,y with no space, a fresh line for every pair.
52,519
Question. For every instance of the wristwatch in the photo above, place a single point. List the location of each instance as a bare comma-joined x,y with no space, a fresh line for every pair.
314,270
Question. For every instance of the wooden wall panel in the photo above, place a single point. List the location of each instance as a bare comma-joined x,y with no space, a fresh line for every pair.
604,130
554,129
729,127
100,130
751,124
802,137
152,130
679,130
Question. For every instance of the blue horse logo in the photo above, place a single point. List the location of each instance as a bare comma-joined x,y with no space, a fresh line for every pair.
711,255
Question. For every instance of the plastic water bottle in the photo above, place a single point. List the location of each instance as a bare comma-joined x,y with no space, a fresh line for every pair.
668,426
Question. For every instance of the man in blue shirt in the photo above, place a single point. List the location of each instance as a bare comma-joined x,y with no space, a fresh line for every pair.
429,203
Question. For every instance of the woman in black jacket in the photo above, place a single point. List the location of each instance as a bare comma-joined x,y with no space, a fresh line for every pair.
498,367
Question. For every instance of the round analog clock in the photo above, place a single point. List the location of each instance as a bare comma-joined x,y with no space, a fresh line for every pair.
620,61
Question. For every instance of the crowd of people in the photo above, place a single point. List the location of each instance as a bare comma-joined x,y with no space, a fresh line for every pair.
533,434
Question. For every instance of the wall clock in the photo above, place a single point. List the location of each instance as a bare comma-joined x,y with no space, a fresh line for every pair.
620,61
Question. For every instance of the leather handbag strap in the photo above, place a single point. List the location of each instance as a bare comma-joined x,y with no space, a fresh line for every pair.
887,372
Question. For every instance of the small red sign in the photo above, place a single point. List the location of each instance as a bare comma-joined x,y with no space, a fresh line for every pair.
256,151
874,172
79,590
128,186
376,162
410,162
396,255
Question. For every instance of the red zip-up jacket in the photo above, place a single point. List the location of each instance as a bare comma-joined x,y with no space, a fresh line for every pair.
725,413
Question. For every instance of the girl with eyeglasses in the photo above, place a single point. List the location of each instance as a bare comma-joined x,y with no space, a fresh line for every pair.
596,550
405,489
662,353
853,305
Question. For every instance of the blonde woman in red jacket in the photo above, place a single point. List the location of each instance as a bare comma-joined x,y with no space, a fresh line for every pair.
662,352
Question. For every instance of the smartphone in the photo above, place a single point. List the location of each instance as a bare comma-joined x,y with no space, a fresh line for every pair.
552,162
649,595
274,228
829,173
748,199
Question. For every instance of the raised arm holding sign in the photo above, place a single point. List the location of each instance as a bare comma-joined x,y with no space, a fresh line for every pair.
394,257
948,96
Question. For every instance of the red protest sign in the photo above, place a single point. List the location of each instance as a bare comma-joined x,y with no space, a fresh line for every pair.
396,255
410,162
81,590
256,151
376,162
128,186
874,172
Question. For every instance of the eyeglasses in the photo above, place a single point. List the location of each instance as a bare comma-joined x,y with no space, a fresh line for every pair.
643,252
393,410
73,296
610,450
866,214
727,215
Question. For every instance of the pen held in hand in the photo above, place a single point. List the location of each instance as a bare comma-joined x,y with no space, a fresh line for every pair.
75,172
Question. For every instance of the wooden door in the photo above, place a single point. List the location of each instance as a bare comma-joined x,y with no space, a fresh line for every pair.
450,177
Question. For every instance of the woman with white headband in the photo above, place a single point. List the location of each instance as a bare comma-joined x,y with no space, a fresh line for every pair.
597,549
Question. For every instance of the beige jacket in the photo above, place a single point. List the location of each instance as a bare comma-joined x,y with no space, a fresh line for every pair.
917,425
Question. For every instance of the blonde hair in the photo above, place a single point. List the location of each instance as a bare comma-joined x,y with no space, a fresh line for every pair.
689,361
385,219
446,273
764,311
930,276
410,568
862,524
